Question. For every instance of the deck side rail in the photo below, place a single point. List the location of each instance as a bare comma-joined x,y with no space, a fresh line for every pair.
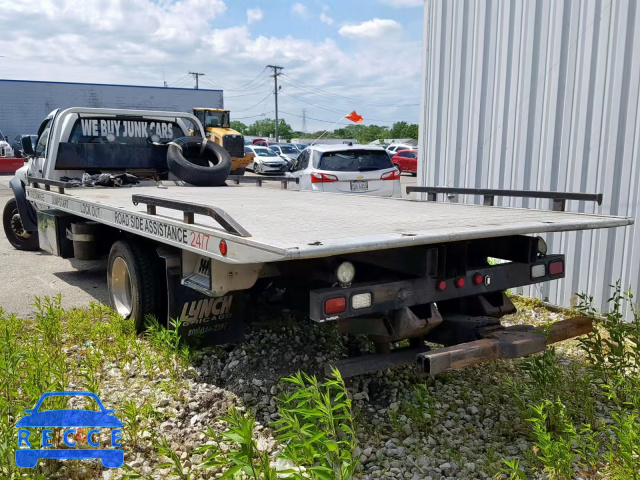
284,181
489,194
225,220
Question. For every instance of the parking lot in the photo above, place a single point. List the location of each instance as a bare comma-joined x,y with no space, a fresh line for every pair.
79,282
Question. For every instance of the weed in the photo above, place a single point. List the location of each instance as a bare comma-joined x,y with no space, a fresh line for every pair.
513,470
163,449
315,432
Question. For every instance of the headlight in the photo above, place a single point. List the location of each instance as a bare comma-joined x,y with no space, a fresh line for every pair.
345,273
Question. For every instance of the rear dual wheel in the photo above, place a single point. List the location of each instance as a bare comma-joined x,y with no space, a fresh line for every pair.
135,280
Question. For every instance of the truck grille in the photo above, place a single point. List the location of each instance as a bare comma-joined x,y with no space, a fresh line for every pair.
234,144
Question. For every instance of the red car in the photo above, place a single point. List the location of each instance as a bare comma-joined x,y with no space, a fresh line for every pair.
406,161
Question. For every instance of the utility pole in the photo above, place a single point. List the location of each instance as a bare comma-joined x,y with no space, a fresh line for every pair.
275,76
304,120
196,76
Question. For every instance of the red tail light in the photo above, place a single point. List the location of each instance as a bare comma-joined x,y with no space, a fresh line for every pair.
335,305
556,268
323,178
393,175
441,285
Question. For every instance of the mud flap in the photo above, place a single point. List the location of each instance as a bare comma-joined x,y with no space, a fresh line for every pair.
204,320
26,210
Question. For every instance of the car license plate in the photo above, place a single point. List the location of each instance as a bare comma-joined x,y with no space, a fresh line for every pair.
359,185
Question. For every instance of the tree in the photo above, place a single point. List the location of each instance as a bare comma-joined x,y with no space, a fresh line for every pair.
266,127
239,127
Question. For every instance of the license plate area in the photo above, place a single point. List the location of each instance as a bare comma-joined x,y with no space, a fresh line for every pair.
359,185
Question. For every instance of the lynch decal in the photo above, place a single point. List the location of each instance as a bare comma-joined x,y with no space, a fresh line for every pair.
125,129
203,311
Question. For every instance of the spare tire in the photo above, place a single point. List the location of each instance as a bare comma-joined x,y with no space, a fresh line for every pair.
198,161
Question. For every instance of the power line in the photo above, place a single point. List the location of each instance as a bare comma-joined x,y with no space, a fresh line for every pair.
254,106
275,76
312,104
196,76
179,80
247,94
317,91
254,116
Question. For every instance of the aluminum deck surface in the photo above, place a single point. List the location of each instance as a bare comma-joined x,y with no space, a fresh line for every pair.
309,224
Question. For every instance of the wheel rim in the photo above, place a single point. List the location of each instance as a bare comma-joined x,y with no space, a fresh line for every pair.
121,288
16,226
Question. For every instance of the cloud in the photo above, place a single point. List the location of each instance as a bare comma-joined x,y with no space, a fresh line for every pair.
300,10
371,29
324,18
135,41
404,3
254,15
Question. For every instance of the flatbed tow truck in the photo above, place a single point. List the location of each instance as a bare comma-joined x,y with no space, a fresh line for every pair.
388,268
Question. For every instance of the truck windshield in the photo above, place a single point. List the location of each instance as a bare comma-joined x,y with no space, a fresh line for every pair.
354,161
216,119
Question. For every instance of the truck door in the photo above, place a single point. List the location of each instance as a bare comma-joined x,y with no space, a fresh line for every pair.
36,165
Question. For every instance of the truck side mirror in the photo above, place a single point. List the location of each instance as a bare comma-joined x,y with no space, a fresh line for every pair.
27,147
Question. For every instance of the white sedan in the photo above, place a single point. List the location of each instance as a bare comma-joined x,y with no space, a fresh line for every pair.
265,160
358,169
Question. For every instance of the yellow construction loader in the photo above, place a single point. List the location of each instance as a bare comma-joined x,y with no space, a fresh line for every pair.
217,126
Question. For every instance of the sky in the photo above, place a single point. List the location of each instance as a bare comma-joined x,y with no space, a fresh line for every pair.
337,55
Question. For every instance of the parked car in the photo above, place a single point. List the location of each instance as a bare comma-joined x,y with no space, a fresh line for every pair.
396,147
265,143
301,146
258,140
363,170
17,144
5,148
406,161
266,160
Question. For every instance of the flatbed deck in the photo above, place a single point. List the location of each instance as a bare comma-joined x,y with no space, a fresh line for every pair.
288,224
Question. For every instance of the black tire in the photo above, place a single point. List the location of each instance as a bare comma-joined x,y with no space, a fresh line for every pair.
256,168
144,282
14,230
398,167
198,161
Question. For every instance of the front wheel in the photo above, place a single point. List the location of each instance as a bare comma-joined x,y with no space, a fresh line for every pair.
133,279
256,168
14,230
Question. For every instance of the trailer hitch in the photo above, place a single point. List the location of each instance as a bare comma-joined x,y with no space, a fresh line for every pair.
510,342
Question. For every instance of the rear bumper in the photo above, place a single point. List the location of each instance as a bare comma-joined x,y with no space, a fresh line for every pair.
407,293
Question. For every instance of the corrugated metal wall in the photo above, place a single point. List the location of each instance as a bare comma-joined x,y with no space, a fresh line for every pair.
541,95
24,104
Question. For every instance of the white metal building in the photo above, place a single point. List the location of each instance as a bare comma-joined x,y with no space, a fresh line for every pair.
540,95
24,104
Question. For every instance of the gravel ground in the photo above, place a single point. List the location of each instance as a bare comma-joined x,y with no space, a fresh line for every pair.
463,429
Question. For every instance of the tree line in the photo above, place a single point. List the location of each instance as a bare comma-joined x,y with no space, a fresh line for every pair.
362,133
